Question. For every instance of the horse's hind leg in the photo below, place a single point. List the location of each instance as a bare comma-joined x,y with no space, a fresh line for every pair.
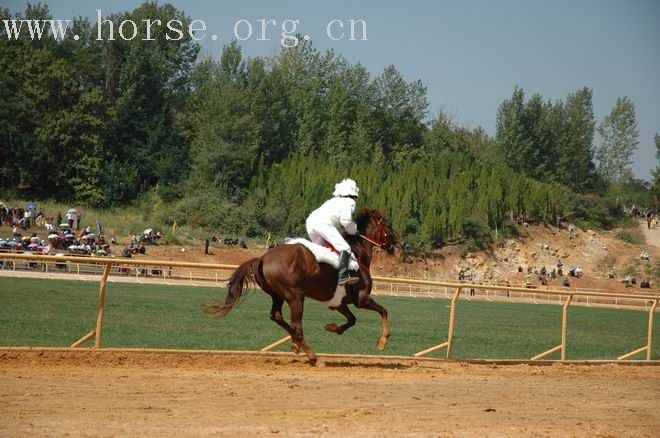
344,310
276,313
297,336
369,303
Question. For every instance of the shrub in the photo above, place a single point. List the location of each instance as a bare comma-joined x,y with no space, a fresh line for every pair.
630,270
510,229
476,233
632,237
593,212
628,222
208,209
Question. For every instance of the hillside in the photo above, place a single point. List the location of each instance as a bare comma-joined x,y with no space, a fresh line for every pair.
595,253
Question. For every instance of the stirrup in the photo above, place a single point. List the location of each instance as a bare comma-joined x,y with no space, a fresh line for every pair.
348,279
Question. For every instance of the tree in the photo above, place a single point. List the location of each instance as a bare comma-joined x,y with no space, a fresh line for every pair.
113,111
656,173
619,135
440,135
400,108
576,166
225,149
514,143
147,84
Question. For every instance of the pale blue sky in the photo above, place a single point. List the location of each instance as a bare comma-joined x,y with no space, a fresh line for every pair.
470,54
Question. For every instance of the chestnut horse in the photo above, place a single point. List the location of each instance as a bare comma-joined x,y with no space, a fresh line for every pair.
290,273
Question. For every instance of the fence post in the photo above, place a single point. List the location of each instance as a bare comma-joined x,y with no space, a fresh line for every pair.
649,343
99,319
650,333
564,324
452,318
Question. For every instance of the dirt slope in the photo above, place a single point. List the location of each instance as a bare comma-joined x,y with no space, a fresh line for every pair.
595,253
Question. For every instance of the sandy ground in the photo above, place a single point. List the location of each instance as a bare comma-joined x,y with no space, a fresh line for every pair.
652,236
122,393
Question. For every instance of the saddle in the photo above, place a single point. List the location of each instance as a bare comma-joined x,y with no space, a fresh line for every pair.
324,254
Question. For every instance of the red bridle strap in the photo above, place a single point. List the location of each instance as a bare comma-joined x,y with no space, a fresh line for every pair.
379,233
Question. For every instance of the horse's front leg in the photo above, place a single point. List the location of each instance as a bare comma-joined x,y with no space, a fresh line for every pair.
297,335
350,320
369,303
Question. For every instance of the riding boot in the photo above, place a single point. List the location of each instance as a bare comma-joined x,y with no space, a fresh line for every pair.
344,276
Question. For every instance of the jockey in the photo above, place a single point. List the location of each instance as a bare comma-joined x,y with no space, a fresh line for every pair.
325,223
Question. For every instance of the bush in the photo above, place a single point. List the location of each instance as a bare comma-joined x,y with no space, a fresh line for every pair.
629,222
630,270
476,233
632,237
652,271
208,209
593,212
588,225
170,239
510,229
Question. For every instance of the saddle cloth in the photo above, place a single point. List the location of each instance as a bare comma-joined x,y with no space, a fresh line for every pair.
323,254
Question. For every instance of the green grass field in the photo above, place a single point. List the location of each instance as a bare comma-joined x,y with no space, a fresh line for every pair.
57,313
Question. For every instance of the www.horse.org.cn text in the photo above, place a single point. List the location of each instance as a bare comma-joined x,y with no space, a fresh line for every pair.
288,31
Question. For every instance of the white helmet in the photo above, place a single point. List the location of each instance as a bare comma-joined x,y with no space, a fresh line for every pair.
347,187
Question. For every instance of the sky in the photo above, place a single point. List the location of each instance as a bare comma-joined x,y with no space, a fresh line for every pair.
470,54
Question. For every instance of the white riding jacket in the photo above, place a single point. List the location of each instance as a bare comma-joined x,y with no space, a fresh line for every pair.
338,212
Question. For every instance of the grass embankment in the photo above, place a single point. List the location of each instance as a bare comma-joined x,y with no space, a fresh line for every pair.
632,236
57,313
122,222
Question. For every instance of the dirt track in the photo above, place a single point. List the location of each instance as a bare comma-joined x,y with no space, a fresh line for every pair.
652,236
110,393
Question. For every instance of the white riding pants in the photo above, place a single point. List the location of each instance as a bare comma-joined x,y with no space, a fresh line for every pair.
321,233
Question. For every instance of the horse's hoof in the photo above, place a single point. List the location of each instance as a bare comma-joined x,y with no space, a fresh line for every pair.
382,343
312,361
332,327
295,348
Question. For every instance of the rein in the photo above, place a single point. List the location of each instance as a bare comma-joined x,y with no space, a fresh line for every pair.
369,240
379,240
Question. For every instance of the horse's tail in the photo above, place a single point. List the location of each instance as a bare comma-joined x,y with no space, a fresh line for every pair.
238,283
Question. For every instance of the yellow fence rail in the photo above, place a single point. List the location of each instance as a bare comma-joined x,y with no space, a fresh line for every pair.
568,295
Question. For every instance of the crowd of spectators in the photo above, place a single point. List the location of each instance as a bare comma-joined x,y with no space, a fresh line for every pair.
18,217
544,275
61,233
24,225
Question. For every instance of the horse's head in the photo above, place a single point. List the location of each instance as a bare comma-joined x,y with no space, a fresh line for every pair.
373,226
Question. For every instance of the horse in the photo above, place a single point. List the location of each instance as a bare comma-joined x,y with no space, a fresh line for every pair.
291,273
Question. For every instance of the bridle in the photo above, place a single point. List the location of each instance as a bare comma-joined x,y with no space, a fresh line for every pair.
380,236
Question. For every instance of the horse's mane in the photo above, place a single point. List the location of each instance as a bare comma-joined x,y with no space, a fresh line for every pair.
362,219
